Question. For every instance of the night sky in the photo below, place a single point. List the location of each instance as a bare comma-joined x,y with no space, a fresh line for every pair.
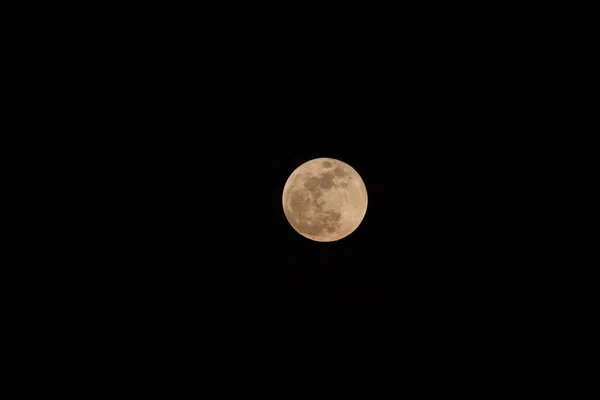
196,130
433,241
435,148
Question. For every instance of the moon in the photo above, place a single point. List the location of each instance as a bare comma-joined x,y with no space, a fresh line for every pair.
325,199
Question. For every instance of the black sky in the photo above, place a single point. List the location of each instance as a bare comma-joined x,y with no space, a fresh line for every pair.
431,156
433,131
181,248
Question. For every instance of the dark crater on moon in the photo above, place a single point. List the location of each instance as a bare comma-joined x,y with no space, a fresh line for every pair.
323,181
312,184
327,180
339,171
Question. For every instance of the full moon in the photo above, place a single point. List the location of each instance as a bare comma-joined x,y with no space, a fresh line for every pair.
325,199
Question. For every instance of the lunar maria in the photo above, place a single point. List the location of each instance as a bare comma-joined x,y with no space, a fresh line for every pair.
325,199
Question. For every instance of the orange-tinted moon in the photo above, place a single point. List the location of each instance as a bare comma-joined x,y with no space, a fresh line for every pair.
325,199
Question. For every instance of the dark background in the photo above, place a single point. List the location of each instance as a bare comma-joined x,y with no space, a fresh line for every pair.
204,134
177,253
435,246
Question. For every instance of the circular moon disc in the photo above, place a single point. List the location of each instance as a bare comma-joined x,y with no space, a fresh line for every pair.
325,199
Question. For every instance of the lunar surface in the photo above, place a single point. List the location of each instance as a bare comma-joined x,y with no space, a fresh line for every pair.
325,199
